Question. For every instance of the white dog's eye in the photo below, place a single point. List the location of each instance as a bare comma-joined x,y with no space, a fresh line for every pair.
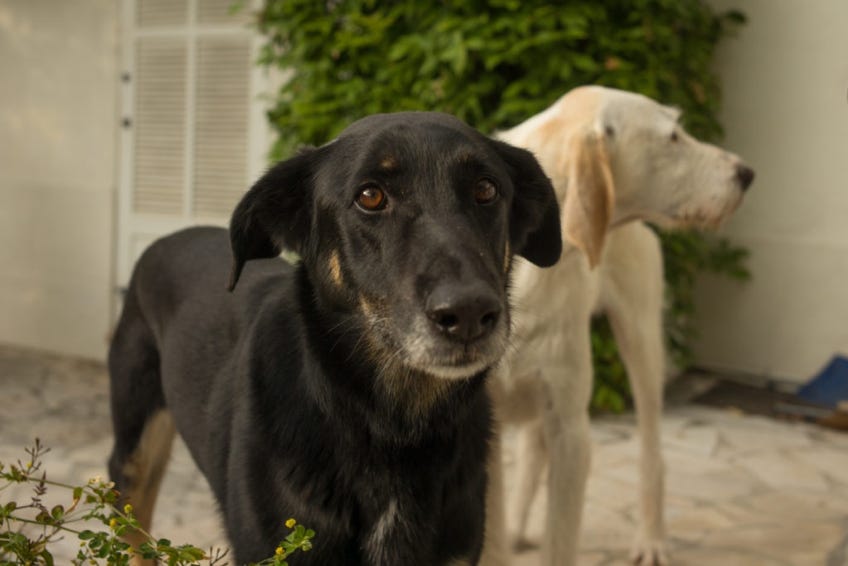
674,136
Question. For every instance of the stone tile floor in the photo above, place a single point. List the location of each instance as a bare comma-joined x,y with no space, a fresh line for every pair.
741,490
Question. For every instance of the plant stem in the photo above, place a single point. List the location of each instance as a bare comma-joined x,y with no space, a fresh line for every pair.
31,522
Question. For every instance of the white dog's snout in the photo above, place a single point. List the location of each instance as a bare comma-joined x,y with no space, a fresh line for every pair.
744,176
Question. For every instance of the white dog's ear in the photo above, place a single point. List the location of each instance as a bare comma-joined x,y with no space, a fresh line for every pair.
590,195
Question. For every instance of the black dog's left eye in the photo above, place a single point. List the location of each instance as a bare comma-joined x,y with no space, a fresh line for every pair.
485,192
371,198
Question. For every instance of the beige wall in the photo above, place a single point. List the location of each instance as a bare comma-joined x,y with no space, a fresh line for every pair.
786,110
58,95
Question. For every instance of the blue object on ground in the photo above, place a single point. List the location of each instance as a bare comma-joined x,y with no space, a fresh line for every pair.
830,386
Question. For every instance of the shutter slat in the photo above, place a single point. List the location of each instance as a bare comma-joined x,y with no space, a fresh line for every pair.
219,12
160,117
221,122
152,13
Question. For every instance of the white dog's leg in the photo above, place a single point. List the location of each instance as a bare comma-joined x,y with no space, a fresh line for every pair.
635,312
642,351
567,435
531,461
570,450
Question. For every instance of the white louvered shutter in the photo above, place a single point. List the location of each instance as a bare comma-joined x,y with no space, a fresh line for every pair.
194,134
159,124
222,95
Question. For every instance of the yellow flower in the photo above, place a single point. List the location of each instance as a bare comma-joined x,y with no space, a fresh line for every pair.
279,551
291,523
128,508
113,522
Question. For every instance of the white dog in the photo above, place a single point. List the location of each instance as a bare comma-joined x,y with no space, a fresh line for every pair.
616,158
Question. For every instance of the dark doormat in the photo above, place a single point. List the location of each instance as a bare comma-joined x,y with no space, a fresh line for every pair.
751,399
767,402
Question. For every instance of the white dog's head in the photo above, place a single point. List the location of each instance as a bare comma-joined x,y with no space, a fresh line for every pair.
616,156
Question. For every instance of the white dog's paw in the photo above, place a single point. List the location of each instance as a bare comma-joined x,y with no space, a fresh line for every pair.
648,552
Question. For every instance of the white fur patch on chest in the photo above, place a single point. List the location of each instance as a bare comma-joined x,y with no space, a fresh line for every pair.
387,521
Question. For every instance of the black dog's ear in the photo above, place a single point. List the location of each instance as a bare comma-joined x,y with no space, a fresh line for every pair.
534,228
274,214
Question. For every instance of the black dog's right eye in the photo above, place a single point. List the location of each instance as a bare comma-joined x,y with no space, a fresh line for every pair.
371,198
485,191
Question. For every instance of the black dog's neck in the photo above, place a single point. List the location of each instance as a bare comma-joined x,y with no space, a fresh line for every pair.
398,405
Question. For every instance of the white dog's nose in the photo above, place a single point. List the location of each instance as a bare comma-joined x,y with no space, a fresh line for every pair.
745,176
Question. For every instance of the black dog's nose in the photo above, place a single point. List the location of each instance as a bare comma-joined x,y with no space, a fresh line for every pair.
745,176
465,313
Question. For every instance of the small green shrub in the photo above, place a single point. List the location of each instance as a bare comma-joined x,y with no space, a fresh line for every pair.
27,529
494,63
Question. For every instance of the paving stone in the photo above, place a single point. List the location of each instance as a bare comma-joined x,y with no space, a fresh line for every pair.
695,523
742,513
832,438
707,556
602,435
19,492
717,486
839,555
619,425
692,462
675,504
781,471
788,506
696,438
59,466
588,558
202,531
752,434
791,542
832,462
611,456
610,494
605,530
695,414
17,404
525,559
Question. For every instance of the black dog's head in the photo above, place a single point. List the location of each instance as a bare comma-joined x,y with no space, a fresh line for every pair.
408,222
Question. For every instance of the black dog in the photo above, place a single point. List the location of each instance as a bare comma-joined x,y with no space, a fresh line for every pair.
347,392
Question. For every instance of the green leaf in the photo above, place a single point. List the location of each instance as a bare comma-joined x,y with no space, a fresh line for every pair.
46,557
